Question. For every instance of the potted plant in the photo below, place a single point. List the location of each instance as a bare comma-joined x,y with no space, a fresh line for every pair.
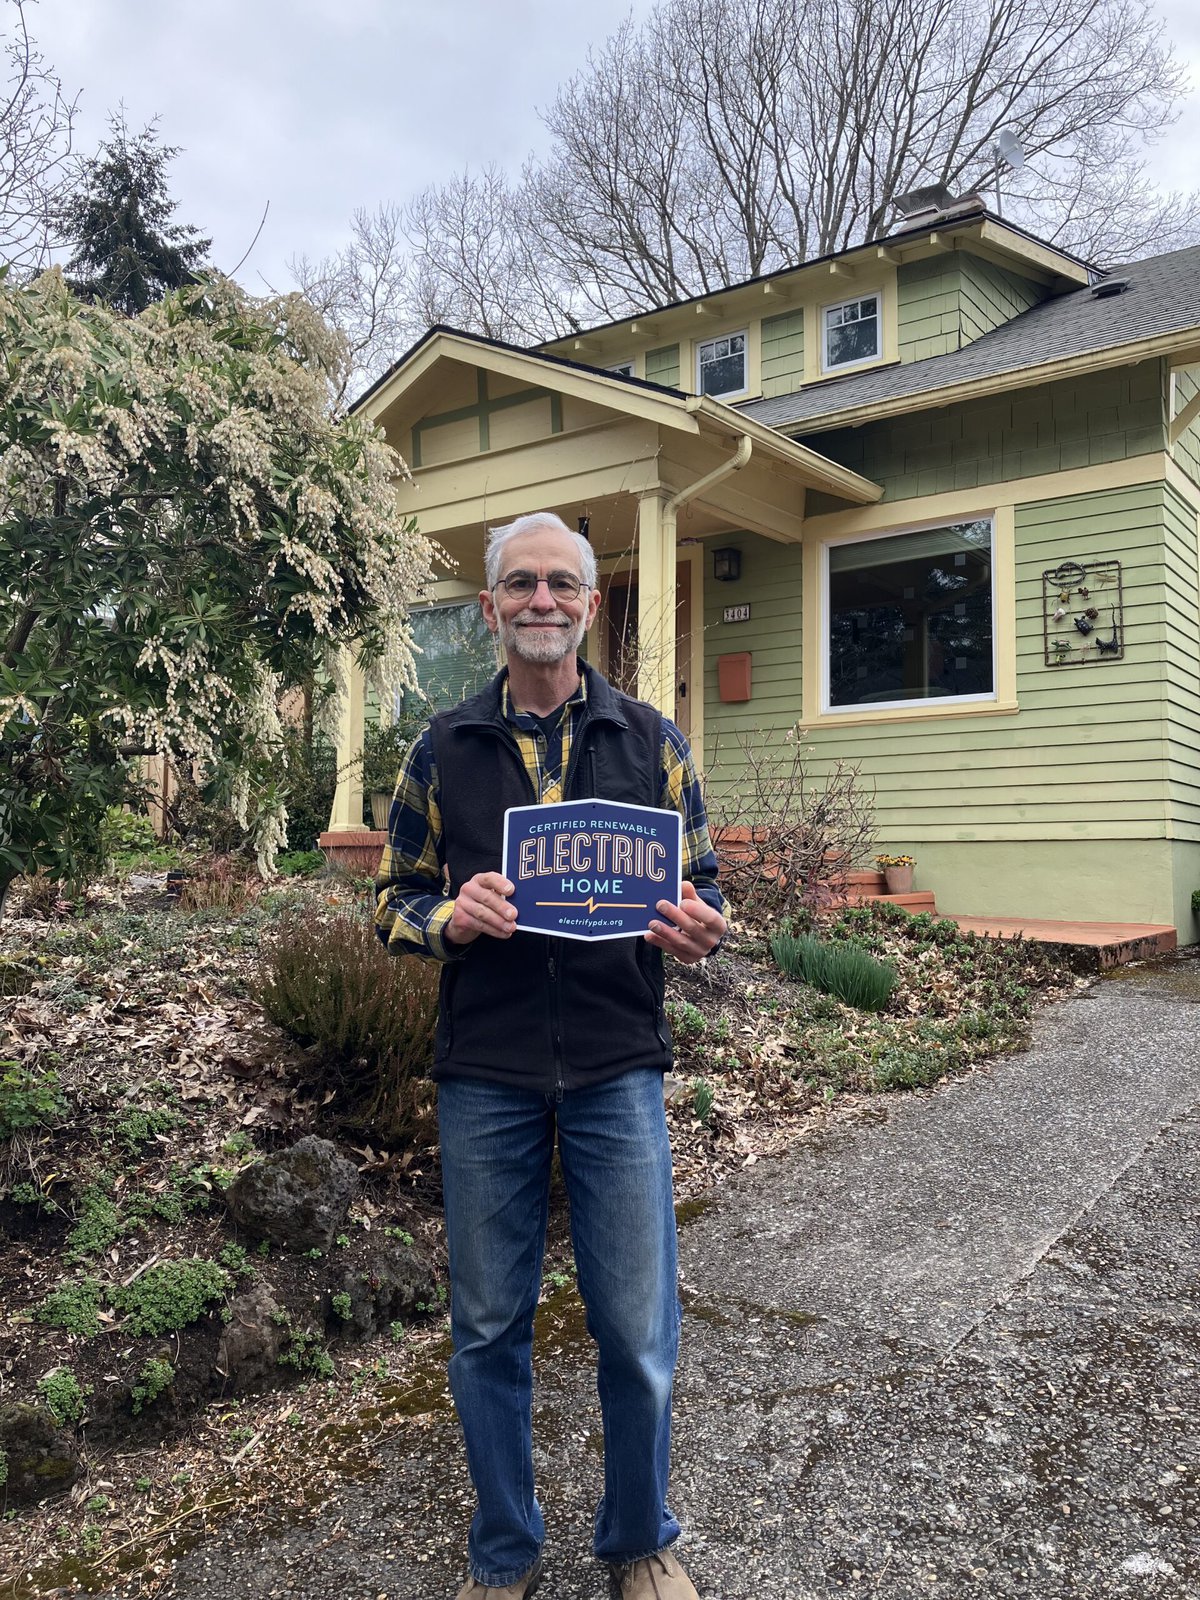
898,871
383,750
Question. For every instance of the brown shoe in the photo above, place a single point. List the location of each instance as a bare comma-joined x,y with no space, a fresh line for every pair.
658,1577
521,1590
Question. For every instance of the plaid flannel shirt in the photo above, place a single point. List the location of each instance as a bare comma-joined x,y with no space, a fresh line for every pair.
413,908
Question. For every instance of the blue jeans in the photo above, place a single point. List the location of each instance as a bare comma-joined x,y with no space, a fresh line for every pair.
496,1148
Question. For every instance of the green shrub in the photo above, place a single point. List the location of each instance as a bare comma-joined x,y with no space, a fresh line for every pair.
63,1396
368,1018
702,1100
98,1226
74,1307
155,1377
28,1099
1196,902
300,863
842,970
310,777
170,1296
383,751
126,833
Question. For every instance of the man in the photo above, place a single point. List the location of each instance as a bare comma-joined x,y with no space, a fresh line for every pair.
541,1037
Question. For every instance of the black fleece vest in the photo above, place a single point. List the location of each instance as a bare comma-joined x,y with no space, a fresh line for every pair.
531,1011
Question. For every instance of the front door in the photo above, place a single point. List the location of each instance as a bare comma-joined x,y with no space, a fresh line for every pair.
619,638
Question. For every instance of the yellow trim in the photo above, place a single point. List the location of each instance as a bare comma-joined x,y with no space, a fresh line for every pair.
976,388
1153,467
1182,420
596,387
814,623
810,281
878,278
1183,485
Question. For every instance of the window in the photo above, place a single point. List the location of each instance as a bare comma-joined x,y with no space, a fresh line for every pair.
457,656
623,369
910,617
721,365
851,332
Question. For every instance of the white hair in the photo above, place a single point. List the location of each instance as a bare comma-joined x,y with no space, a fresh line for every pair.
499,537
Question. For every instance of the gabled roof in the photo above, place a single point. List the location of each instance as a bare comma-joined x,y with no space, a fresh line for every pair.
1160,308
669,408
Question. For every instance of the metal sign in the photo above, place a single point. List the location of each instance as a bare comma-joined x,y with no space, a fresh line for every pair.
736,613
592,869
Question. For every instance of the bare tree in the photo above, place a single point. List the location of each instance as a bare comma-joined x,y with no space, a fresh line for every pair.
721,139
35,143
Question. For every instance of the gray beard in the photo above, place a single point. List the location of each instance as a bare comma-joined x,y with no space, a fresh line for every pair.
543,649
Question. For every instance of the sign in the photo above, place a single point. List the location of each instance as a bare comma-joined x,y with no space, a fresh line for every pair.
592,869
736,613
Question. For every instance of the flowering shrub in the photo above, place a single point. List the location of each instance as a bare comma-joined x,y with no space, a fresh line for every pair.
184,528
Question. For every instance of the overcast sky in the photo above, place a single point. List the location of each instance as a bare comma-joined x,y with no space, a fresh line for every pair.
321,106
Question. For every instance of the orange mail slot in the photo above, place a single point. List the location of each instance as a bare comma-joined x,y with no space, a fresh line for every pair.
733,676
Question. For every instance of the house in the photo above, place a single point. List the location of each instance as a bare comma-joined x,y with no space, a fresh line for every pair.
935,499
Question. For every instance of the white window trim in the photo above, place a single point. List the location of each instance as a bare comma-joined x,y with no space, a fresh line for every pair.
624,369
863,361
927,702
734,333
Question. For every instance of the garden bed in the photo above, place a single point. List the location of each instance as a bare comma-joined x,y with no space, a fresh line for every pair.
162,1079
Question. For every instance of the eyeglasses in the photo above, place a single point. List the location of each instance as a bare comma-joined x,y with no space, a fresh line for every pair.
523,585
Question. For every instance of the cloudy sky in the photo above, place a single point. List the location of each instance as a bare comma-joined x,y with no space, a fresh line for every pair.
317,107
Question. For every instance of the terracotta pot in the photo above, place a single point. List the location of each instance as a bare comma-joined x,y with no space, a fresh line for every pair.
899,879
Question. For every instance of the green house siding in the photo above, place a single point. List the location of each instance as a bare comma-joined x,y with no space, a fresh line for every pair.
1182,666
946,301
782,353
1072,806
1187,446
992,295
662,366
928,315
1074,423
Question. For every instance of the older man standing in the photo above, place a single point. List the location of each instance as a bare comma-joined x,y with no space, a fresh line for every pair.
540,1038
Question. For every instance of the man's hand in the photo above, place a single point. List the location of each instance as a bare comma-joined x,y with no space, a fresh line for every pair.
698,928
482,907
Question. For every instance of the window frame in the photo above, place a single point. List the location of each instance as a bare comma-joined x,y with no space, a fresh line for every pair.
623,369
828,367
928,704
699,345
461,602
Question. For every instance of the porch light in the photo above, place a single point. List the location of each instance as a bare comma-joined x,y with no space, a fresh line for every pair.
727,565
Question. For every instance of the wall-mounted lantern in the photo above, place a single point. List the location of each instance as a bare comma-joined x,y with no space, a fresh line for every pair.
727,565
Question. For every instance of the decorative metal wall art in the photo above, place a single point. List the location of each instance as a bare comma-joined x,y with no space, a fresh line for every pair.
1083,613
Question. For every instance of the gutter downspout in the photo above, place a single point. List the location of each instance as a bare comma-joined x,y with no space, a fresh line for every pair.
656,586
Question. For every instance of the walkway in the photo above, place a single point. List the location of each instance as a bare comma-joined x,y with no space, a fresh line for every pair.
949,1351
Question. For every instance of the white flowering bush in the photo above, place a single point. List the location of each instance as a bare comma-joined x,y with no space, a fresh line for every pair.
184,529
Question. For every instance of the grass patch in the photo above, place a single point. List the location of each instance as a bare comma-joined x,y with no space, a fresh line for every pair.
845,971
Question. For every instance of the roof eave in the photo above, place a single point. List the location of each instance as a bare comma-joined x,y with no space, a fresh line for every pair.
816,469
1184,342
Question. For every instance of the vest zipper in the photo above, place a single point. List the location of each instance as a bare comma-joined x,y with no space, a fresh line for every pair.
556,1024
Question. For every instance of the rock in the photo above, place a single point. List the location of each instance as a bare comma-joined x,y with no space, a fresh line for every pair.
40,1458
384,1287
253,1341
297,1198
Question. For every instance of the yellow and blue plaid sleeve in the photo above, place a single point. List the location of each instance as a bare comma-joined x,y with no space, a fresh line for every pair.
412,908
681,792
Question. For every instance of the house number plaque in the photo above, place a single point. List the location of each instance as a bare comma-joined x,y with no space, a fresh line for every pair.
736,613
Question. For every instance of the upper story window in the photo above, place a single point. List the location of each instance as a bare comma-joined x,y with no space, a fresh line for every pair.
851,333
623,369
721,365
909,617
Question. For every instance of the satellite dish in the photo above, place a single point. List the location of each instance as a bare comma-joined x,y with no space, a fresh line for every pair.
1008,149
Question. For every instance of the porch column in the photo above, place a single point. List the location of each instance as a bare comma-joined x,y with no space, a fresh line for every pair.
656,602
347,813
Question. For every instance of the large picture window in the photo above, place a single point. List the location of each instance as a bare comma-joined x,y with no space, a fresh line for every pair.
852,332
911,617
721,365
